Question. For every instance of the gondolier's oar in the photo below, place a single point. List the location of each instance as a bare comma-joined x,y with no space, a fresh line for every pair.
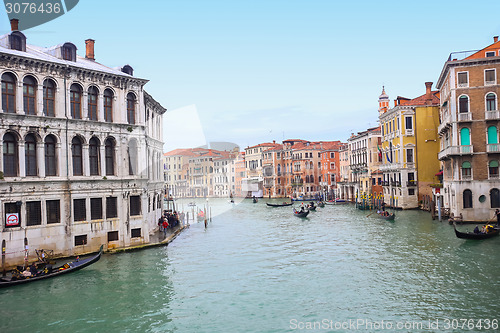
370,214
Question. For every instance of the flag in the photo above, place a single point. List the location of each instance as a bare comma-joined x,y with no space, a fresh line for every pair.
379,153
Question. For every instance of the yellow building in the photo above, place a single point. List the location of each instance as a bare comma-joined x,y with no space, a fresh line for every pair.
409,148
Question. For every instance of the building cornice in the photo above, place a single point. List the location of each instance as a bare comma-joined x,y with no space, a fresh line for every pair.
465,62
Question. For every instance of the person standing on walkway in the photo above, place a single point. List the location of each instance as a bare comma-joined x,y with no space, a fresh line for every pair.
165,226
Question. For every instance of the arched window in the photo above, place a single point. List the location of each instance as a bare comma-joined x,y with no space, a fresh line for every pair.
495,198
132,157
492,135
131,108
76,151
75,94
491,102
9,93
109,151
466,171
279,169
30,155
465,137
49,97
307,179
92,99
29,95
467,196
50,156
108,105
463,104
10,155
94,156
311,178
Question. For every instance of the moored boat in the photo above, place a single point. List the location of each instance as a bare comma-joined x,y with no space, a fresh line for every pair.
53,272
475,235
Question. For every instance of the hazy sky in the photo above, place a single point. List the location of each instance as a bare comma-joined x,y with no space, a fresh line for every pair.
257,71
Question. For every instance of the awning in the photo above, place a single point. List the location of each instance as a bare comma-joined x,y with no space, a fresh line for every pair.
440,173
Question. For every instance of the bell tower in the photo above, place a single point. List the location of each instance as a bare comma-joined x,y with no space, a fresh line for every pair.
383,102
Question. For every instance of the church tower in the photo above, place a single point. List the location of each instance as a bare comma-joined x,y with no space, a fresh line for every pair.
383,102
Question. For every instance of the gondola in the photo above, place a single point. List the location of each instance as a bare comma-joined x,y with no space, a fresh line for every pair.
472,235
309,207
389,217
300,214
321,204
255,200
57,271
279,205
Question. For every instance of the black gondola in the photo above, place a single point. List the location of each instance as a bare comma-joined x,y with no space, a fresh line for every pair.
279,205
321,204
389,217
473,235
64,269
299,213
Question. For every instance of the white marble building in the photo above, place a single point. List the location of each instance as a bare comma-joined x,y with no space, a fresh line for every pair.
80,152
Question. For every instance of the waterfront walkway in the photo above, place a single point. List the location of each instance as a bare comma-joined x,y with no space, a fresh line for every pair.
156,239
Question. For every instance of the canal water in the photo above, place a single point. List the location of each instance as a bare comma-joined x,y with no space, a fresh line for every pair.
260,269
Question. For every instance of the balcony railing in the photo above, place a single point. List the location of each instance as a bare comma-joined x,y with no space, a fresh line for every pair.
493,148
492,115
465,116
444,122
411,183
466,177
455,150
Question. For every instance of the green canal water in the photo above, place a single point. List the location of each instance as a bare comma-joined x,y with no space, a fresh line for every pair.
260,269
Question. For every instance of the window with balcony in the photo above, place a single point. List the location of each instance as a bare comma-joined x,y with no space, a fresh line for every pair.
463,104
489,77
463,79
466,171
465,136
493,169
491,106
408,123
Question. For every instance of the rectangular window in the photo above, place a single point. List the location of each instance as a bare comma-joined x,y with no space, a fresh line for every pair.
80,240
332,165
332,155
12,214
408,123
53,211
463,79
112,236
135,205
411,191
33,213
135,233
79,210
489,76
409,155
490,54
95,208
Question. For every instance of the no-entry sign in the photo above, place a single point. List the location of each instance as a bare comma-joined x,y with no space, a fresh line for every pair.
12,219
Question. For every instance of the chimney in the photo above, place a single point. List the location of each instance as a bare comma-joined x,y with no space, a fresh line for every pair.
395,102
428,93
14,24
495,39
89,45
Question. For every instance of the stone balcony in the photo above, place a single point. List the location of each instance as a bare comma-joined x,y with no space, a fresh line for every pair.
455,150
492,115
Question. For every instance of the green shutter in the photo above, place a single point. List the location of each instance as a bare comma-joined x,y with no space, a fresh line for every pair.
492,135
465,137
